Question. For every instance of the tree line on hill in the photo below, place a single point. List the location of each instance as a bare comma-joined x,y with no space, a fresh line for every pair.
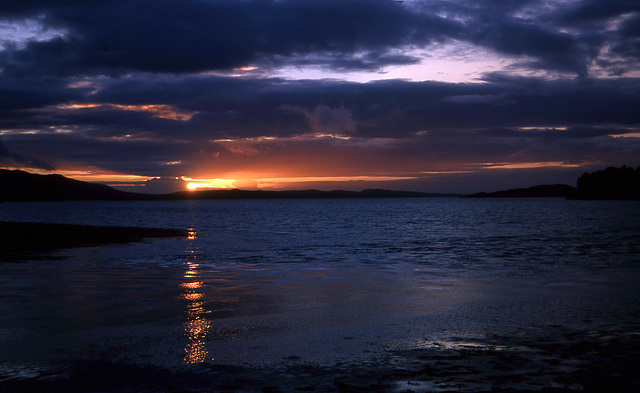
611,183
608,184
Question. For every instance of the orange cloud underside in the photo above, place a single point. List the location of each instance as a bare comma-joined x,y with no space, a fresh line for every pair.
160,111
527,165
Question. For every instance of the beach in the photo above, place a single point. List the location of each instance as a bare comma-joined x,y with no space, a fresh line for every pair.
245,299
563,361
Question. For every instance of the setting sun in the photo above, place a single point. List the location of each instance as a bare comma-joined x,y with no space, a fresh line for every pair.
195,184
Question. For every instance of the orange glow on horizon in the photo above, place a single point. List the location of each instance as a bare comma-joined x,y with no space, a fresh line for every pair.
277,182
248,181
284,176
208,184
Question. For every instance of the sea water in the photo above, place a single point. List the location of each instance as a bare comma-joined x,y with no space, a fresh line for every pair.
317,281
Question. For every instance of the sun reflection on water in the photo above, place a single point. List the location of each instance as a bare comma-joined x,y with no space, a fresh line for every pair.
197,326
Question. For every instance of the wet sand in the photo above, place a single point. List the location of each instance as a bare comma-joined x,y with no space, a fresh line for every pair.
19,240
563,361
134,353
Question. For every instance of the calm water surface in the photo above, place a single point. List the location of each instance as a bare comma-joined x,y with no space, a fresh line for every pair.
267,282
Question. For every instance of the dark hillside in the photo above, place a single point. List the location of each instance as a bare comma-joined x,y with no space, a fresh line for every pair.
545,191
23,186
610,184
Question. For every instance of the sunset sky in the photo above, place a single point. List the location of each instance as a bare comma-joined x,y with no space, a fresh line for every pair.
429,95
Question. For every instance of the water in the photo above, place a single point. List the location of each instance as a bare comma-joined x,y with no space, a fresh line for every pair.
449,235
271,282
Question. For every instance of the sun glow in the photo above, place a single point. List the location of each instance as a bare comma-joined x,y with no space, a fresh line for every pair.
208,184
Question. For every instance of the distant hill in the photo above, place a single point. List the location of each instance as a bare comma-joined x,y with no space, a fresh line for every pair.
544,191
610,184
23,186
299,194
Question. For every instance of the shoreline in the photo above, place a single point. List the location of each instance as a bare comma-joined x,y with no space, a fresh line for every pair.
565,360
20,240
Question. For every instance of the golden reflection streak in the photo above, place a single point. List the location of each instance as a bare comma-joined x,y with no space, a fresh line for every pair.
197,325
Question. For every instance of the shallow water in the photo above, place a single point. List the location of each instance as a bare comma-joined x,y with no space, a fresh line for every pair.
322,282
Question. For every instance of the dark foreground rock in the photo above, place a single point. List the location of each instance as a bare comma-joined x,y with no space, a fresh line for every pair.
20,238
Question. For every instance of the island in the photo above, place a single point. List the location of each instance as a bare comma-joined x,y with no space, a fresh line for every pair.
608,184
543,191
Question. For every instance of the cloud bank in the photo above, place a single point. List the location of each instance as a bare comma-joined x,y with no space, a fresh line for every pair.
188,88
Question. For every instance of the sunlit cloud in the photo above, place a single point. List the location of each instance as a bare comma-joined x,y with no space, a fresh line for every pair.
630,135
238,72
94,175
527,165
444,172
102,177
159,111
23,131
18,34
93,86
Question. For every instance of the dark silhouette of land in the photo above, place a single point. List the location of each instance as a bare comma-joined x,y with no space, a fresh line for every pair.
544,191
23,186
18,238
298,194
610,184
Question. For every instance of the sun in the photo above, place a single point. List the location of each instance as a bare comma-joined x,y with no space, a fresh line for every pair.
207,184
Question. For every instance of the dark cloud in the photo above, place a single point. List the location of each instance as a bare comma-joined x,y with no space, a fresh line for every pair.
149,87
391,124
10,159
228,107
116,37
588,11
17,94
628,42
164,185
191,36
